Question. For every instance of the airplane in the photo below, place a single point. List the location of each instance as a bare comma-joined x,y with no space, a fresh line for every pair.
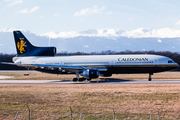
88,66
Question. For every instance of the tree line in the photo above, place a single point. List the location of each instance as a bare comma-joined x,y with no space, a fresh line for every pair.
8,57
173,55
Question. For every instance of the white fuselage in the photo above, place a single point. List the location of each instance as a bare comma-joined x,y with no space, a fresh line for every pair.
119,61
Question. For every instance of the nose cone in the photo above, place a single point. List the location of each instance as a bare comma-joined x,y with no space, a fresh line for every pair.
177,65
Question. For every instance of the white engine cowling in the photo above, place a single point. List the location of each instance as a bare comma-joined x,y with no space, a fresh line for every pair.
90,73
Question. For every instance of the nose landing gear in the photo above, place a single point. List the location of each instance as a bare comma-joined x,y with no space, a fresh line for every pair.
150,76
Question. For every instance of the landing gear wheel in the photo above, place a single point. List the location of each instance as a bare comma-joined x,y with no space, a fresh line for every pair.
88,79
149,79
81,79
75,79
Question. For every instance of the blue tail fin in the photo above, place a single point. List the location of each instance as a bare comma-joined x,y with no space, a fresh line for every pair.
25,48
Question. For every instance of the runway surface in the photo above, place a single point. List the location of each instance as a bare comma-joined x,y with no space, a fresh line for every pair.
108,81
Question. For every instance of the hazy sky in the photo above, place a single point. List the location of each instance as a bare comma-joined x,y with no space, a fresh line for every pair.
41,16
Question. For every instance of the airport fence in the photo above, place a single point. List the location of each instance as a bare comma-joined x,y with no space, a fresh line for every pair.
74,114
47,115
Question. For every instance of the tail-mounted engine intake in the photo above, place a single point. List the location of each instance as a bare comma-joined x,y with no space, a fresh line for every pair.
44,51
90,73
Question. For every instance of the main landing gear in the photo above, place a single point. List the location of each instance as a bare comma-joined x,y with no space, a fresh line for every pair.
150,76
79,79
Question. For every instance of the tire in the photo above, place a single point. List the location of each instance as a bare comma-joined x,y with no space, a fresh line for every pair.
75,79
88,79
82,79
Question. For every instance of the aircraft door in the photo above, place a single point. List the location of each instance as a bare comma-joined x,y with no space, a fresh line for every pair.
155,62
61,63
34,62
112,63
19,61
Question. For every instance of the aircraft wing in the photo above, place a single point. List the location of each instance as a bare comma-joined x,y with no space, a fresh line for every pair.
71,67
23,65
57,66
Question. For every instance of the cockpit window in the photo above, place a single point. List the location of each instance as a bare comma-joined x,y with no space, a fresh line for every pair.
170,61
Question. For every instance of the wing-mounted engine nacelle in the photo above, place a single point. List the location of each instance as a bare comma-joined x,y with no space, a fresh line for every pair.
106,75
90,73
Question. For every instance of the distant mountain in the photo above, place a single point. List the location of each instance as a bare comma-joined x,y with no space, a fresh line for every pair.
98,40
